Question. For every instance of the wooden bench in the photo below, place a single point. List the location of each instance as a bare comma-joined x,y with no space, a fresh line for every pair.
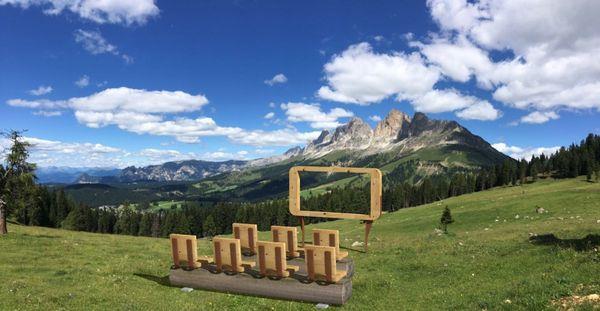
228,255
248,236
321,265
272,260
324,237
288,235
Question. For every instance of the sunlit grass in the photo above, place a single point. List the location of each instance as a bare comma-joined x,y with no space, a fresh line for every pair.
485,261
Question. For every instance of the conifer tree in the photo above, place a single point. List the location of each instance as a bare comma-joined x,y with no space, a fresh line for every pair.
446,219
16,179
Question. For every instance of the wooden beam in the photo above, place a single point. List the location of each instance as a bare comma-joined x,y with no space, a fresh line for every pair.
242,283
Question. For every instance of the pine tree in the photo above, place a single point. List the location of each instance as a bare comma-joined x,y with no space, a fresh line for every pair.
16,180
446,219
209,226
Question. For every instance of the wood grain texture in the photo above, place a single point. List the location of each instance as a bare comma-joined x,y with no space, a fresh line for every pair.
247,234
246,284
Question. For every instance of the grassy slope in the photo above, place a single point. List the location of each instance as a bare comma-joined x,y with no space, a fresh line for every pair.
409,266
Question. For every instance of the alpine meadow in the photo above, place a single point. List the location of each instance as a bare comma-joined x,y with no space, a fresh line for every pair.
244,155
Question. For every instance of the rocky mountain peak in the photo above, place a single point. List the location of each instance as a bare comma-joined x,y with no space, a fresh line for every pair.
355,129
395,122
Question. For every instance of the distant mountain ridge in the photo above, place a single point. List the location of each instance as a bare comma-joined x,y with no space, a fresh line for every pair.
396,137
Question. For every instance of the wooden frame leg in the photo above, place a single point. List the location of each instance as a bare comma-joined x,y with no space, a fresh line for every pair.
302,228
368,224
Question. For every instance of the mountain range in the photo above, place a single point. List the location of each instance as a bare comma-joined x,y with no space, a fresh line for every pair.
403,146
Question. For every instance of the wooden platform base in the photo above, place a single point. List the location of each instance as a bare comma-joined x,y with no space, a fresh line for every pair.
293,288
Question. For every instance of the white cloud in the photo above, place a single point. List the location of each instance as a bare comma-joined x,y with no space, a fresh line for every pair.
553,48
375,118
538,117
482,111
277,79
93,42
269,115
41,90
282,137
83,81
144,112
378,38
518,153
301,112
467,107
105,11
360,76
47,113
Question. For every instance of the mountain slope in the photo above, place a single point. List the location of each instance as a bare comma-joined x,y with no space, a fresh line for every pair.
481,264
406,149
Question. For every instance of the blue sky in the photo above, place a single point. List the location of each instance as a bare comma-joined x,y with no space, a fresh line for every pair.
149,81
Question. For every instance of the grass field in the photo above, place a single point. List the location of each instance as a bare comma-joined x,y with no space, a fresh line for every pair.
486,262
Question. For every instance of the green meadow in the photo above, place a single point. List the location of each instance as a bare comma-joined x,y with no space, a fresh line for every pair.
500,254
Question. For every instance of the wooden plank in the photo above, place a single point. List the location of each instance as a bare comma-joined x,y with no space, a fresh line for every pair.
242,283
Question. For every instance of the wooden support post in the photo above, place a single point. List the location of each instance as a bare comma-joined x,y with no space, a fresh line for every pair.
368,224
175,253
190,254
302,227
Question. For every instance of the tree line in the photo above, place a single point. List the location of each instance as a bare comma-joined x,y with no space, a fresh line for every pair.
32,204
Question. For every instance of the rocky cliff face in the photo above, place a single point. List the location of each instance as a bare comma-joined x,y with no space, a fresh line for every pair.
397,130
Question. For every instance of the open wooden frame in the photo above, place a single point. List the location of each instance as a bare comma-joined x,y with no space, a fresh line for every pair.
376,191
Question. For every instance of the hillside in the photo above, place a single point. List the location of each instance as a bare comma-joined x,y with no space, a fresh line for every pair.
486,261
405,148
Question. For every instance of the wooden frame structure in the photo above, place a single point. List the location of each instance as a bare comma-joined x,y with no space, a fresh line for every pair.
376,192
248,236
320,263
325,237
272,260
288,235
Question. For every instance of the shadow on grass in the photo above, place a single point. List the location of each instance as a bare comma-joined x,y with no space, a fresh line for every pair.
160,280
584,244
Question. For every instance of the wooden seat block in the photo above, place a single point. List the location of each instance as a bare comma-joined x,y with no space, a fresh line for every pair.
228,255
288,235
272,260
248,236
326,237
184,249
321,264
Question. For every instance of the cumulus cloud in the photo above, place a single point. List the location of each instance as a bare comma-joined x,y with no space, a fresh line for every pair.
106,11
277,79
361,76
312,113
46,152
83,81
269,115
467,107
144,112
41,90
555,48
518,153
